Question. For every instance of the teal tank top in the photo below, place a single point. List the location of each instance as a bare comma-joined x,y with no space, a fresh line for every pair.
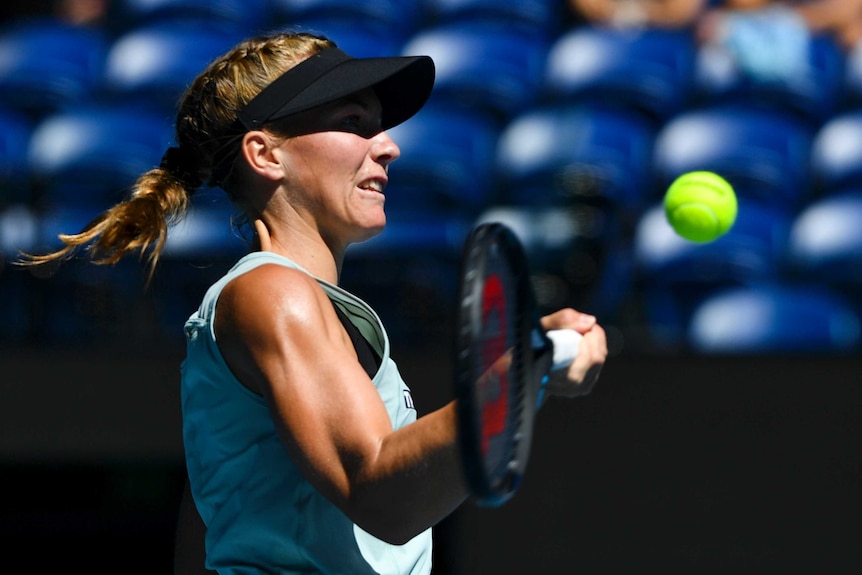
262,516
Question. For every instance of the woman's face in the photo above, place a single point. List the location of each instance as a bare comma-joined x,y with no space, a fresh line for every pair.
336,160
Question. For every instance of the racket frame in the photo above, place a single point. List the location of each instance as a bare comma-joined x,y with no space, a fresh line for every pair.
492,250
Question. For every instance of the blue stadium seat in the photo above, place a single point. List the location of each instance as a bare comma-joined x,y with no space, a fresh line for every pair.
649,71
414,233
546,233
568,255
826,242
15,132
753,249
543,17
78,303
55,220
198,251
446,164
852,96
674,275
484,67
154,64
46,65
574,154
813,95
582,173
836,154
89,156
18,232
764,155
243,16
385,19
358,41
774,319
82,302
409,274
207,232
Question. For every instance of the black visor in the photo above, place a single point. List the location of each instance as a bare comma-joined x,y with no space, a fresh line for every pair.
402,84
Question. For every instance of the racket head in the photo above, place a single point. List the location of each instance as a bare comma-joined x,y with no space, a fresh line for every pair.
493,364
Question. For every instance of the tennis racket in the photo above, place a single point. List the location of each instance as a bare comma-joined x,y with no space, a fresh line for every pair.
503,358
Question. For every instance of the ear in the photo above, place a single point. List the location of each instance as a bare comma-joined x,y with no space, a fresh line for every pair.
257,149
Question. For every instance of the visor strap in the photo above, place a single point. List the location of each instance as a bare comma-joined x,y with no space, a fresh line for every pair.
286,87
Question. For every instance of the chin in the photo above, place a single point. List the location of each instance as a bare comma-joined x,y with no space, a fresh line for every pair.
369,232
375,231
378,225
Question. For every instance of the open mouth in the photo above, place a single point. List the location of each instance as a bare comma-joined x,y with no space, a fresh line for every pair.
373,186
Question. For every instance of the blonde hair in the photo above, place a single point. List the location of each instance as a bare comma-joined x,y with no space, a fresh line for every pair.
208,138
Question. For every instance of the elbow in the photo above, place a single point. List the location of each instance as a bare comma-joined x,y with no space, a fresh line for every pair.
391,534
391,524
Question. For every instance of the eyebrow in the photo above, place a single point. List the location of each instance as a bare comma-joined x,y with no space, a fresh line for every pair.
355,98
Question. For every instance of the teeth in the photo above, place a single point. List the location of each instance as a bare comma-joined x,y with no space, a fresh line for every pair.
373,185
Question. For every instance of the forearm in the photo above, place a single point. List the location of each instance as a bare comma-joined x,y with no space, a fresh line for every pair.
419,468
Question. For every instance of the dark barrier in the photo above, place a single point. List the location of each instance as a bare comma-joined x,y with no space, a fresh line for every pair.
679,464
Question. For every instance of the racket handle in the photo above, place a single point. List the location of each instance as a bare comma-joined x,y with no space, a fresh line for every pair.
566,342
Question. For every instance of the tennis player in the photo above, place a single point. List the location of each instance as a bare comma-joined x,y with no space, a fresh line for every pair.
303,448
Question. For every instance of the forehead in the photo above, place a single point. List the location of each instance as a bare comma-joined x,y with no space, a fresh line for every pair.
366,98
321,118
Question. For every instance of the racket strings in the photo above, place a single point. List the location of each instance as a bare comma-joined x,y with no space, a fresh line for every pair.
495,363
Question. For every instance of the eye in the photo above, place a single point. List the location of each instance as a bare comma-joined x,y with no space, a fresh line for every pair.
352,121
361,123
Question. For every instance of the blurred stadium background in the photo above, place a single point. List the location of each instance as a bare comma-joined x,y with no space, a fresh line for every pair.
725,432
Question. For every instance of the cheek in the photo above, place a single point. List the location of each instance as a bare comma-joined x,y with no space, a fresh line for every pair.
331,157
339,150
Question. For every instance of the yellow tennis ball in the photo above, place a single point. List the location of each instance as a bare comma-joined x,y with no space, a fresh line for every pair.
700,206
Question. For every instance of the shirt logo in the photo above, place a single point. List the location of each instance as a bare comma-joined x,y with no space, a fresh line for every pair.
408,400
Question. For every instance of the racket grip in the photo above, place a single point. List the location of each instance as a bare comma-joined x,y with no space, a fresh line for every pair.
566,342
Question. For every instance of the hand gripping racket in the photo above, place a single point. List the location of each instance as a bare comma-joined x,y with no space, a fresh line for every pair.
503,358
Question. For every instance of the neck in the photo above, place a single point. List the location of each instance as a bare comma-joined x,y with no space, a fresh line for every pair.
312,254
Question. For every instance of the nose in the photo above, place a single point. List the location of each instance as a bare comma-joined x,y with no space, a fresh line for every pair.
384,150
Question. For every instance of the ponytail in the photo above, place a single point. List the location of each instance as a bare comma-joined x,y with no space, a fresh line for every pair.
209,140
159,199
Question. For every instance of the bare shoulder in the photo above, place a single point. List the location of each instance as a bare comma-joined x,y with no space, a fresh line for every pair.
270,291
272,298
272,319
